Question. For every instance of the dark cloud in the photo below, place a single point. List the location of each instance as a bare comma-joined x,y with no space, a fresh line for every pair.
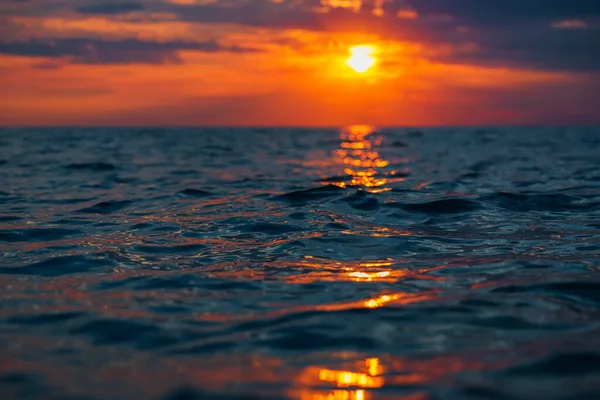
295,14
519,33
41,8
516,32
577,49
507,11
302,12
98,51
110,8
511,33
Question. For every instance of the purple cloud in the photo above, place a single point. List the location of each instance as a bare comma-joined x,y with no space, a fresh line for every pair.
98,51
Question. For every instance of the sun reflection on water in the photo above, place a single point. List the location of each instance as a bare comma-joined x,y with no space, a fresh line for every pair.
350,385
355,378
363,163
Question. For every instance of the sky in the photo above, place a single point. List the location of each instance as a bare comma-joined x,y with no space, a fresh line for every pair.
284,62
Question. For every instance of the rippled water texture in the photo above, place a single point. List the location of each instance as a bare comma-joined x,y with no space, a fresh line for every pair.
300,264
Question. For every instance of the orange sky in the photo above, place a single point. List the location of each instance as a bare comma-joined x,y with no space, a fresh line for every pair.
238,72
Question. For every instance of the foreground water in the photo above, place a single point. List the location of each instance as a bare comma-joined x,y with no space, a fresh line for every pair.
300,264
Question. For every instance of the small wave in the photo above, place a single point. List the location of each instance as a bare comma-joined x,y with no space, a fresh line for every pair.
113,331
398,144
445,206
44,319
197,193
561,365
191,393
106,207
96,166
363,201
271,228
10,218
58,266
37,234
584,290
181,249
303,197
520,202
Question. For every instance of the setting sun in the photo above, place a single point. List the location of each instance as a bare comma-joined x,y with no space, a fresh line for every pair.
361,59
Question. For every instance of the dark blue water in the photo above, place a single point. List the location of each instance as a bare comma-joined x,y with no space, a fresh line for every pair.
300,264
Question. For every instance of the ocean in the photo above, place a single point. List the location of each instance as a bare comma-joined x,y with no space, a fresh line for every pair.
359,263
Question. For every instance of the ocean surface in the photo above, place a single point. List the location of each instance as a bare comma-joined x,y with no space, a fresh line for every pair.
307,264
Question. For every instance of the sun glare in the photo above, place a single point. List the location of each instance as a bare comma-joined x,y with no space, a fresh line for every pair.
361,58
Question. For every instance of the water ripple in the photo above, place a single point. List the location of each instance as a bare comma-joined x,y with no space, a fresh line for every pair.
300,264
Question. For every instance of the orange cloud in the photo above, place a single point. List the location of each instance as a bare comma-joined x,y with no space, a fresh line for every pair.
407,14
298,76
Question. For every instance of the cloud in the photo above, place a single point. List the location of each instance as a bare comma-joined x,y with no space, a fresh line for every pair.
110,8
507,11
284,12
98,51
570,24
299,14
407,13
542,48
502,33
538,34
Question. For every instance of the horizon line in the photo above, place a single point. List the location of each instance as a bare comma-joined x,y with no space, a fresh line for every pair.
523,125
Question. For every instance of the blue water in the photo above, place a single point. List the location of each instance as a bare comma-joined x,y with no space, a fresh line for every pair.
317,264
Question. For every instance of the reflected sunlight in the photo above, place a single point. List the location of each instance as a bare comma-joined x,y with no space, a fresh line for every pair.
400,298
382,300
358,152
357,378
367,375
369,277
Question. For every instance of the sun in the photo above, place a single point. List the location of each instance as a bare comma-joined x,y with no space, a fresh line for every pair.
361,58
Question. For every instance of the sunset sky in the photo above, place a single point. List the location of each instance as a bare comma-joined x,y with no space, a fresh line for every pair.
284,62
